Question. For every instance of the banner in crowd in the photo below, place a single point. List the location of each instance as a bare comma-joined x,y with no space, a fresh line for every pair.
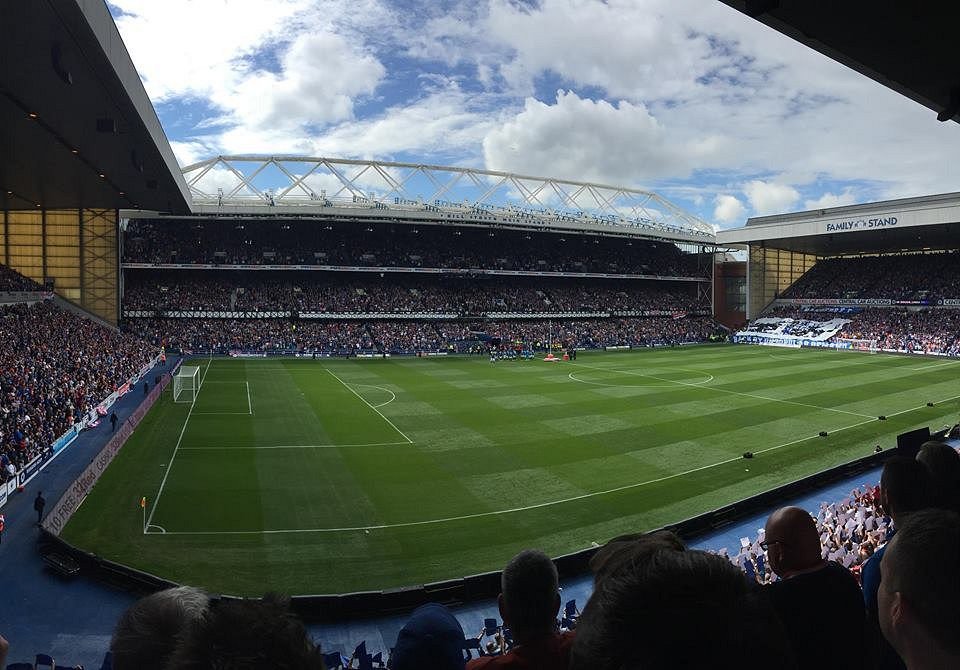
74,495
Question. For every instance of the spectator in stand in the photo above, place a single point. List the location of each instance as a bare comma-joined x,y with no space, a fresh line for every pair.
304,243
663,607
55,367
11,280
943,465
920,589
246,634
432,639
4,650
147,632
812,593
905,489
529,602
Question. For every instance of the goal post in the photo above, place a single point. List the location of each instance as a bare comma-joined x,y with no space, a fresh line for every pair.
186,383
861,345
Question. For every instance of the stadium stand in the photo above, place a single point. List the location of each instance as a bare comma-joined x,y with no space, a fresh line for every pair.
308,243
908,277
54,368
11,280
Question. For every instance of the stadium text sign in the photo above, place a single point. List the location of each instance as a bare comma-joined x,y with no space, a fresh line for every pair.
861,224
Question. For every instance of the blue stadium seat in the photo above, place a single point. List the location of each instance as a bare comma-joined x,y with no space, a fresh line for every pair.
44,661
333,660
473,644
20,666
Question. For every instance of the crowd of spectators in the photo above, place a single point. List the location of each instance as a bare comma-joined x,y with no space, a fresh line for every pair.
354,337
54,367
850,531
925,331
908,330
381,245
222,336
342,293
11,280
908,277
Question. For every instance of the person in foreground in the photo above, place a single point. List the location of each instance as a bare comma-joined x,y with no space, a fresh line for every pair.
529,602
657,606
432,639
920,589
246,635
812,593
146,634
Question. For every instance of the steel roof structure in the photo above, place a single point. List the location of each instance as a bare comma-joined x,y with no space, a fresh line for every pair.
335,187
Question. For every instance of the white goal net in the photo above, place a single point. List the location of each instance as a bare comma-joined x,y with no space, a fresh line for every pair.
186,383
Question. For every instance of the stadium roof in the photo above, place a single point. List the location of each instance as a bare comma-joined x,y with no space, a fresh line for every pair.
906,46
324,188
73,108
909,224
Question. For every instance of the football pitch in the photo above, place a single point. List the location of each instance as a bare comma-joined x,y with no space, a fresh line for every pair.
328,476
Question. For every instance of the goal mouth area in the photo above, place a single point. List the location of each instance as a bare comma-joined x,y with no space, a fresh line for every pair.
186,383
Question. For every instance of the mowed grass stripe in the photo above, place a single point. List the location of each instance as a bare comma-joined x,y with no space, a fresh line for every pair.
574,464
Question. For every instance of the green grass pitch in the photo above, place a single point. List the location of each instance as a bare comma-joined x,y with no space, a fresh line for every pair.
331,476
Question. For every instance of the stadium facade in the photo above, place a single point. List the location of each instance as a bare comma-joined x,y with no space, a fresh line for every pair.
782,248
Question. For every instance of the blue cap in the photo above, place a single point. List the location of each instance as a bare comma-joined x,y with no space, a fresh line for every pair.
431,640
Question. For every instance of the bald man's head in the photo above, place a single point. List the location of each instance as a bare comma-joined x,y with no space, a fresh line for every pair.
793,543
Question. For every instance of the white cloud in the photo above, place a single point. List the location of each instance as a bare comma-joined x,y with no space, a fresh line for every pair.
827,200
770,198
583,139
634,49
728,209
695,96
321,75
446,121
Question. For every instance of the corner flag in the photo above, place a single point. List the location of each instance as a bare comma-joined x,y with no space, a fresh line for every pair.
143,502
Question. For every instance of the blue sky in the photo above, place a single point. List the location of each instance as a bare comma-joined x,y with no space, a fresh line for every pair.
716,112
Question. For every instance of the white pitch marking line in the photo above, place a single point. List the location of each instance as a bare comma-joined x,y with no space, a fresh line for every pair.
156,500
714,388
935,365
222,413
571,377
393,396
297,446
538,505
583,496
349,388
249,404
153,525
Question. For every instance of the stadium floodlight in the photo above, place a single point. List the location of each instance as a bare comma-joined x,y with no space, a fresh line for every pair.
186,383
